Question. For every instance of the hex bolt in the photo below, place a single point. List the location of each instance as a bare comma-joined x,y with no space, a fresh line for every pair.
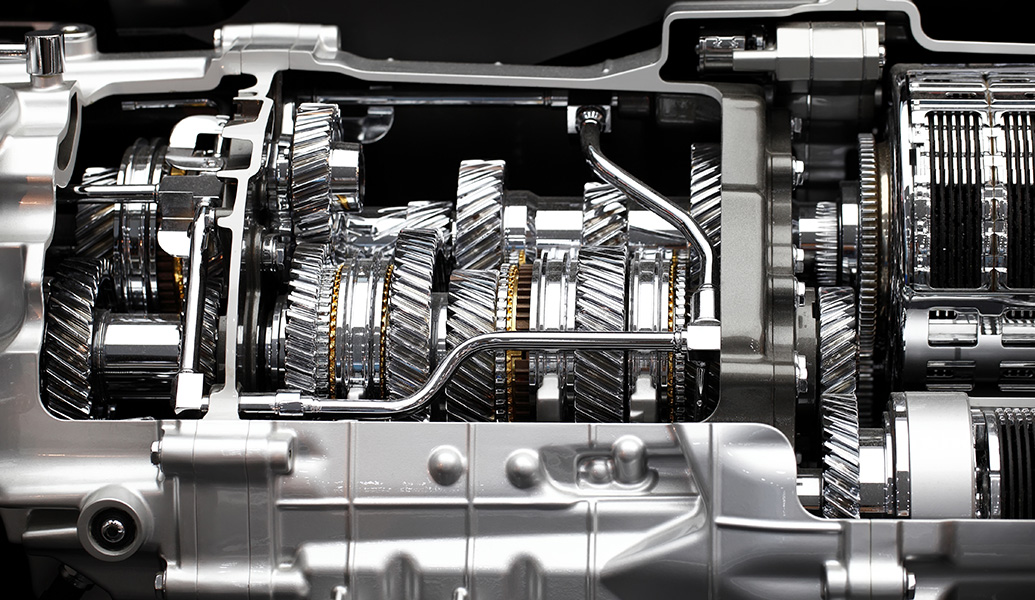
630,458
446,465
799,293
160,584
156,452
910,585
523,469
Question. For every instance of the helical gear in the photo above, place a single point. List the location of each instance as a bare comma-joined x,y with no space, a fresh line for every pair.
838,406
95,222
706,189
600,306
479,214
416,263
75,292
318,196
308,320
605,220
472,311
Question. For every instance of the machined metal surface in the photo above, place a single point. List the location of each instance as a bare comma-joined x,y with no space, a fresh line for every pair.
306,482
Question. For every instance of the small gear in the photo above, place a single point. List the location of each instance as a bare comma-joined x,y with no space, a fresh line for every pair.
827,244
75,292
479,214
838,406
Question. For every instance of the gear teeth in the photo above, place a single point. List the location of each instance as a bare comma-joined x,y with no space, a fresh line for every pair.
408,332
869,206
605,220
470,393
308,325
67,373
479,214
706,189
95,223
838,407
600,306
209,330
315,215
827,244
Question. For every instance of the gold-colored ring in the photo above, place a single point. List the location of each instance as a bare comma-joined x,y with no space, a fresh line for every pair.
332,353
384,328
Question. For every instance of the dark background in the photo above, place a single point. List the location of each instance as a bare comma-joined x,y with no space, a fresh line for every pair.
526,32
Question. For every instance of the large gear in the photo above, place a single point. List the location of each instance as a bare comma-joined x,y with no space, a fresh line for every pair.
600,306
870,209
408,349
67,369
479,214
472,311
838,407
308,320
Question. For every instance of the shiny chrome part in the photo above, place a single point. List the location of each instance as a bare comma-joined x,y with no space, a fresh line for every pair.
136,356
67,371
695,338
838,407
307,332
470,396
479,214
408,342
600,305
605,220
326,174
45,57
590,123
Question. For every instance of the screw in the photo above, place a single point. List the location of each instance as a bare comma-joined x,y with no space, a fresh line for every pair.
910,585
156,452
160,585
